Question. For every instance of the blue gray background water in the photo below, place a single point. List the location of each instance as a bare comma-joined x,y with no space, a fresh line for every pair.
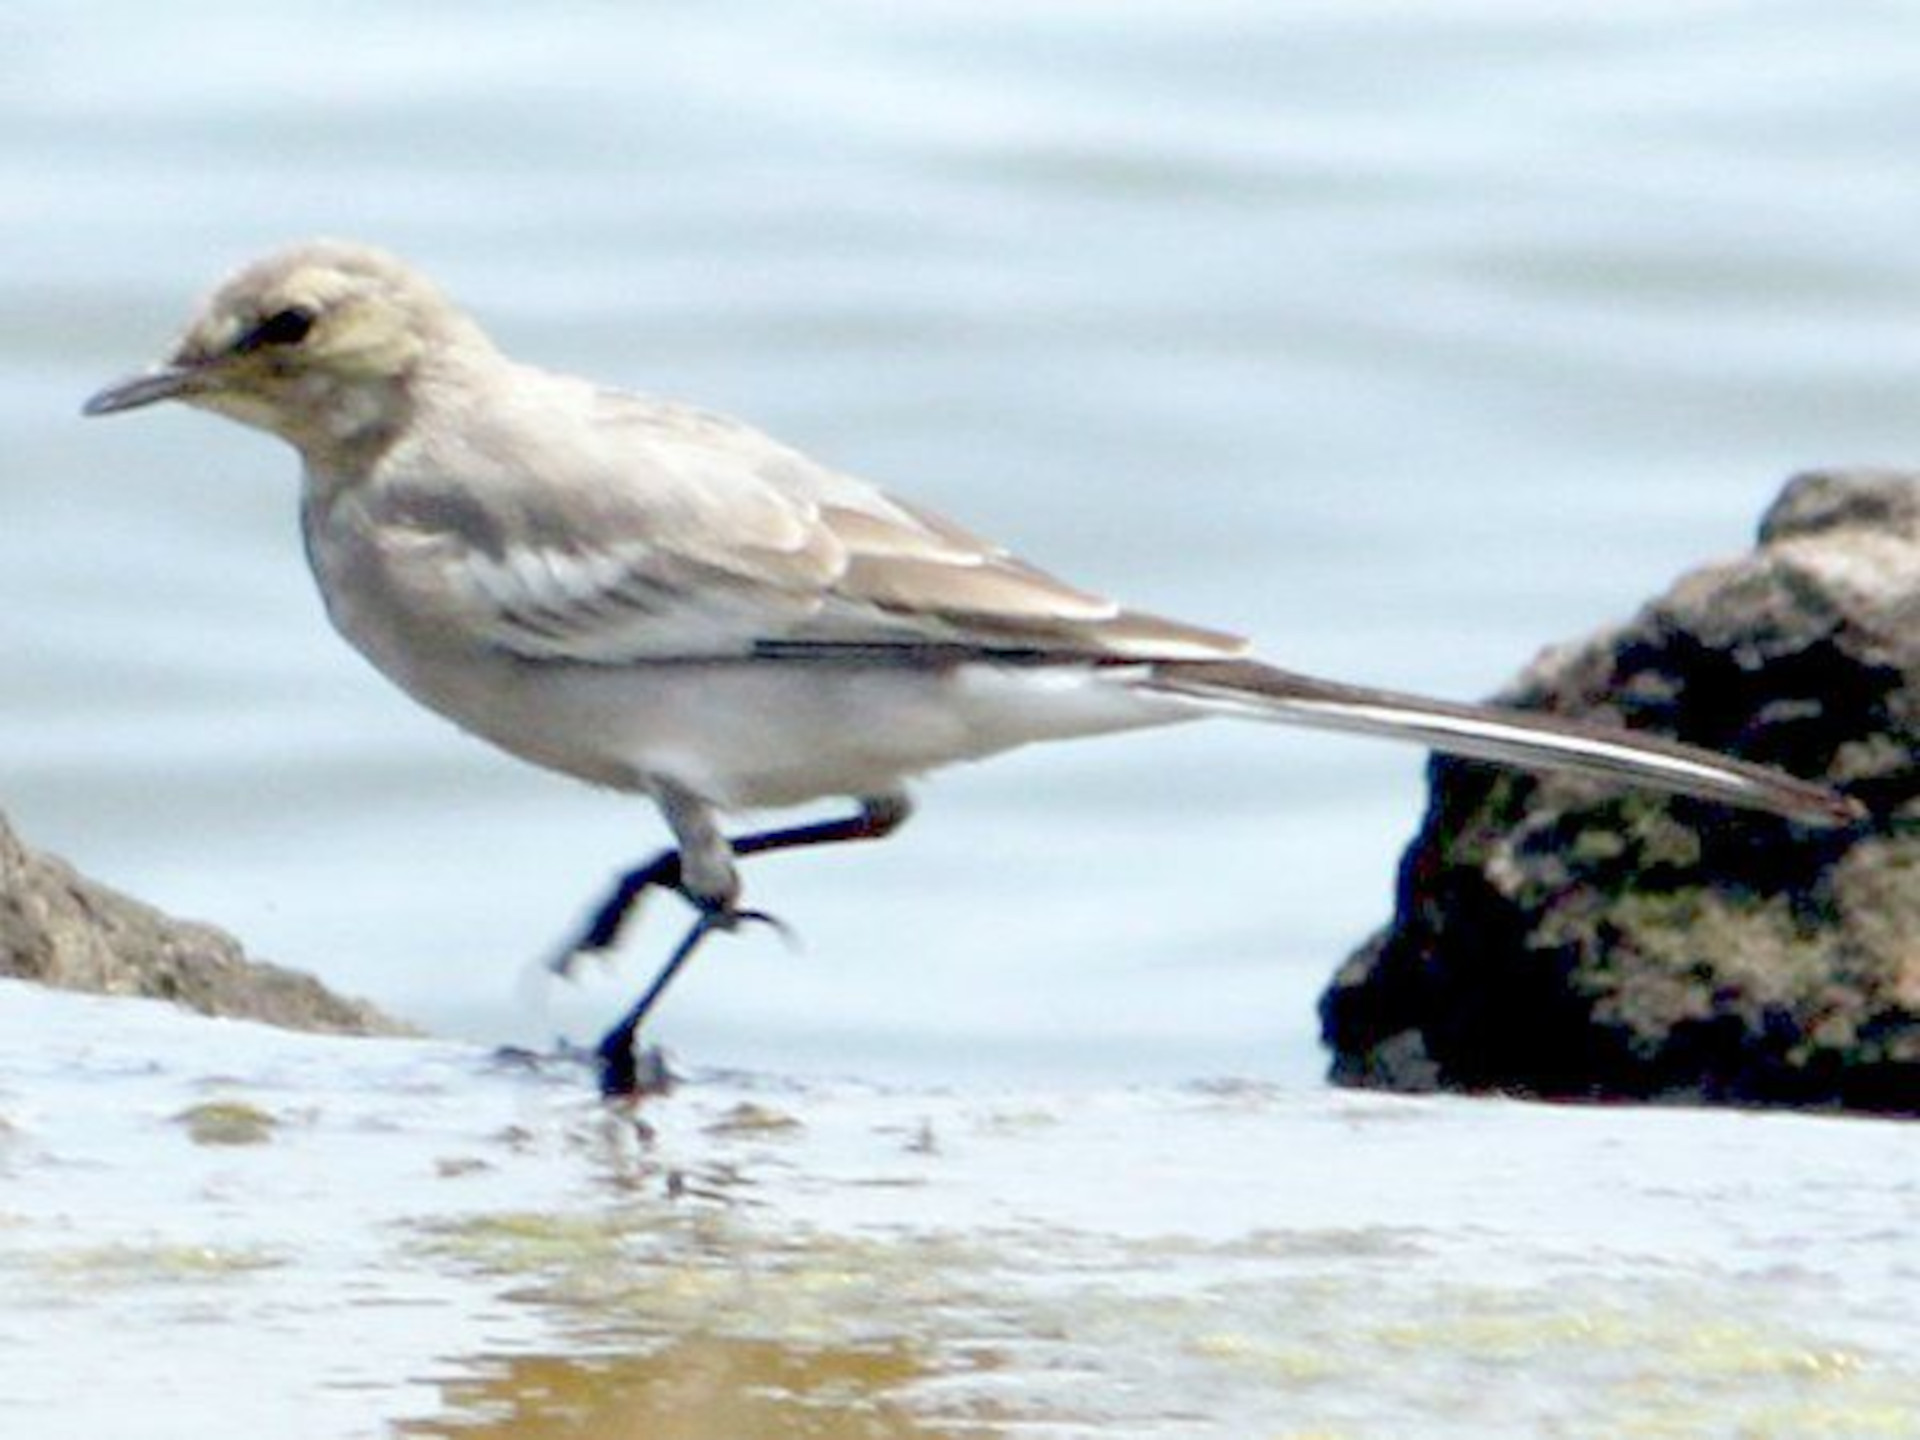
1407,339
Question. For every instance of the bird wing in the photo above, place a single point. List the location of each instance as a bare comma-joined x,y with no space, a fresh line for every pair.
655,532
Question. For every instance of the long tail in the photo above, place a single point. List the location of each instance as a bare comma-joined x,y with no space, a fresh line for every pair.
1516,737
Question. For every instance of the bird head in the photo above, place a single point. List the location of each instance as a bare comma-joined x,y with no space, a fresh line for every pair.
319,344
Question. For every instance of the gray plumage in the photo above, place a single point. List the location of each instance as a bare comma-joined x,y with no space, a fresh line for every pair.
655,598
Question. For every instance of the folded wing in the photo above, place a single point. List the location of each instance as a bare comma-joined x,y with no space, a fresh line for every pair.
687,536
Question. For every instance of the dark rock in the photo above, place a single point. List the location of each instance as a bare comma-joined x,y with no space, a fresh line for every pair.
1556,938
64,930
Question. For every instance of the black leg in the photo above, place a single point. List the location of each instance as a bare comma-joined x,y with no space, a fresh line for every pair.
661,872
692,823
878,816
619,1074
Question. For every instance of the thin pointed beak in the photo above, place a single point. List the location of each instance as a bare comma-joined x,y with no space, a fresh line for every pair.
165,382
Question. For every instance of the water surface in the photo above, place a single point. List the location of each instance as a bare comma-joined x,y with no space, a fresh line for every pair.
327,1238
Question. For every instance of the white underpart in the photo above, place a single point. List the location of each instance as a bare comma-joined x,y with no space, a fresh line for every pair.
757,735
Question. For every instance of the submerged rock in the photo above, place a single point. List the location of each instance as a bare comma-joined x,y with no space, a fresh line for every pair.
1558,938
62,929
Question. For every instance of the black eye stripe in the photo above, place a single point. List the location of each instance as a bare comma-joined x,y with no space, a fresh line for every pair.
283,327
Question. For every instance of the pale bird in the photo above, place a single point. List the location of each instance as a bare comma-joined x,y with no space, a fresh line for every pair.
661,600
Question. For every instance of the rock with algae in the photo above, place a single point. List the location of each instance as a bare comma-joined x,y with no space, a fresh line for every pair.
62,929
1556,938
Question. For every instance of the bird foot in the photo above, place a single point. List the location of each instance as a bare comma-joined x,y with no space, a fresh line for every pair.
627,1072
620,1072
732,919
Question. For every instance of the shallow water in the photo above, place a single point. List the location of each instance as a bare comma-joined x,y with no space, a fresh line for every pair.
411,1238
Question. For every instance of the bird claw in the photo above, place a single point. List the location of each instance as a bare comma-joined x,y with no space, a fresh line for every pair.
732,919
724,919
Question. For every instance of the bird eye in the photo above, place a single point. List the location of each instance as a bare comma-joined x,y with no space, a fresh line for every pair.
283,327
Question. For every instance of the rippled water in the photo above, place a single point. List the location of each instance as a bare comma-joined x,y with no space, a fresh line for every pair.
316,1238
1406,339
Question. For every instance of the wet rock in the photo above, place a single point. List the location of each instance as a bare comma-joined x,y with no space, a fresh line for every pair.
1556,938
64,930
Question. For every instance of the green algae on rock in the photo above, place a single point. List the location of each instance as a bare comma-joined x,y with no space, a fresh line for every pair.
1557,939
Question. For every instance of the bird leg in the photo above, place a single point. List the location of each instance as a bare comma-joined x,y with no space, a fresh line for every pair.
702,872
619,1072
878,816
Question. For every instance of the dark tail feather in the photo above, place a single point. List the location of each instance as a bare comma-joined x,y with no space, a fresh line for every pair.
1515,737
